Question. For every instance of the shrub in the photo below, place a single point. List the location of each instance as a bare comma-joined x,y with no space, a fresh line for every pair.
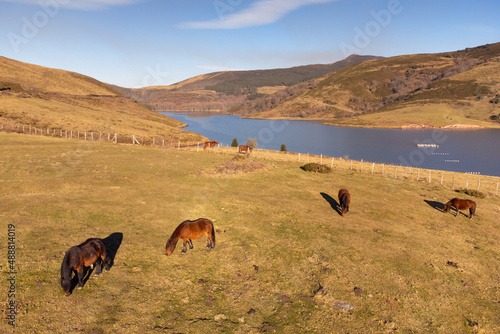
470,192
234,143
283,148
316,168
252,143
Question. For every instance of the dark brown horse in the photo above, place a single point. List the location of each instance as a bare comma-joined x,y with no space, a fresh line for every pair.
84,255
191,229
244,149
461,204
344,201
210,144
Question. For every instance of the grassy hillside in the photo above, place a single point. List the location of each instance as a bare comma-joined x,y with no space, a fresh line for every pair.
50,98
225,91
285,261
460,86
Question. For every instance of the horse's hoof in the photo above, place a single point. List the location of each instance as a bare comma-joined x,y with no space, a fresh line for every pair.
67,294
79,288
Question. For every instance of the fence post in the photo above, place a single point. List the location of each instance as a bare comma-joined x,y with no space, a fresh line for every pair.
307,157
496,193
373,166
85,135
467,184
396,173
429,176
331,166
350,168
298,160
321,159
179,147
418,174
453,182
116,138
441,178
478,183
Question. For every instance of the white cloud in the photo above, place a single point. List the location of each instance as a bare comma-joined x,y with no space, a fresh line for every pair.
76,4
261,12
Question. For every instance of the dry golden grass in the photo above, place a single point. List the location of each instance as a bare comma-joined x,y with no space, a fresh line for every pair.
284,259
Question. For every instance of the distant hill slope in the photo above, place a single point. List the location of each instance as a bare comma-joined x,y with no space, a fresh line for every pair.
224,91
423,90
51,98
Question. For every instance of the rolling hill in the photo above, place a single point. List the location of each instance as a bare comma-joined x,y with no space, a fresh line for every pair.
226,91
421,90
51,98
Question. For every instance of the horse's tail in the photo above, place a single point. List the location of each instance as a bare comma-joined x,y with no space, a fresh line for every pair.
472,209
213,235
345,201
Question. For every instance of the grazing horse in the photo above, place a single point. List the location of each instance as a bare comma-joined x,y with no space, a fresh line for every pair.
344,201
210,144
191,229
84,255
244,149
461,204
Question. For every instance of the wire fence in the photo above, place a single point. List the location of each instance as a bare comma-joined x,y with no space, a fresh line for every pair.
488,185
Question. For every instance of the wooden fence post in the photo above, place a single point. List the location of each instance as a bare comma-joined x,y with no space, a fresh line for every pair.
453,182
496,192
441,178
350,168
331,166
467,184
418,174
429,176
321,159
373,166
478,183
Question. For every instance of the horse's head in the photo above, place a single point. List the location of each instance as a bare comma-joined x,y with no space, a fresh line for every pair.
66,285
447,207
169,247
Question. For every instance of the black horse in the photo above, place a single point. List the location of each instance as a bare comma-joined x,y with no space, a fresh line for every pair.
84,255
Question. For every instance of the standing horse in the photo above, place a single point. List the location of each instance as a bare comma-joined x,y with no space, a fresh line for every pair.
210,144
84,255
191,229
244,149
344,201
461,204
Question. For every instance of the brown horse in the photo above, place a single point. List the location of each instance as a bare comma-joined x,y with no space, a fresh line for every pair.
461,204
84,255
210,144
191,229
244,149
344,201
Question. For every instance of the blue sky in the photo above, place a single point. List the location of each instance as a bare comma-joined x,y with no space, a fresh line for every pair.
136,43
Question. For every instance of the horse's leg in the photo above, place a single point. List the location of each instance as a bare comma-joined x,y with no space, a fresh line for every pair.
190,244
184,243
80,277
98,267
456,215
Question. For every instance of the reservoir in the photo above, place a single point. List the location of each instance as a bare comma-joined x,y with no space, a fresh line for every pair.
467,151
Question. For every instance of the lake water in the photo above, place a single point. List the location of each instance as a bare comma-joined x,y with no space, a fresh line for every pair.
469,151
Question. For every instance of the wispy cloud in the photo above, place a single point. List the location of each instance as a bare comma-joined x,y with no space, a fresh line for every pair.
261,12
219,68
77,4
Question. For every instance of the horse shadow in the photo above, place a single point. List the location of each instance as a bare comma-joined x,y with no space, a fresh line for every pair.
333,203
112,244
436,205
